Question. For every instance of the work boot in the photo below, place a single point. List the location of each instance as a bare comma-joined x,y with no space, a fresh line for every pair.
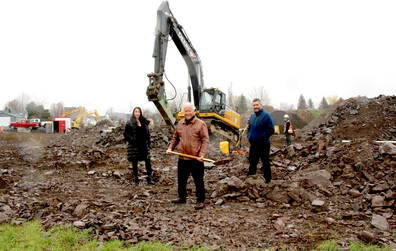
199,205
179,201
150,180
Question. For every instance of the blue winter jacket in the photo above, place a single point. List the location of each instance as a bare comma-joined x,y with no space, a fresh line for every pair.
261,127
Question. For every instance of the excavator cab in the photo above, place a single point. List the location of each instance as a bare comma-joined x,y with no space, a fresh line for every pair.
212,100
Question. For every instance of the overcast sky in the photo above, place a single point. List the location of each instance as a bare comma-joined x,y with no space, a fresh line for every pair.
97,53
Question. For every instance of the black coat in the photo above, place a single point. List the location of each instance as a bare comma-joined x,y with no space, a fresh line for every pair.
138,139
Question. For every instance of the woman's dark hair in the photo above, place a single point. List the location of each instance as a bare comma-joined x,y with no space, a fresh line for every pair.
141,118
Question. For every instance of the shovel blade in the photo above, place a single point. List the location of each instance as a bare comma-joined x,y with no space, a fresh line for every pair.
222,162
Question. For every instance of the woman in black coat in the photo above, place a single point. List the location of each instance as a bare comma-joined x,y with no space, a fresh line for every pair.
137,134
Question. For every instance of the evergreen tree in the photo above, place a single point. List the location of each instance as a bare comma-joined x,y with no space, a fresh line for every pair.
45,114
302,104
323,104
242,104
310,104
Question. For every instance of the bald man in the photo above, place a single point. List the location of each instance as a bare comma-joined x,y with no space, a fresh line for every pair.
191,137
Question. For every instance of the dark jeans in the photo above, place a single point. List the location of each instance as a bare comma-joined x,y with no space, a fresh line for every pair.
260,150
196,168
135,167
288,139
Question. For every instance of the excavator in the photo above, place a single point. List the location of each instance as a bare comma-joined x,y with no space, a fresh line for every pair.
69,112
75,124
210,103
78,121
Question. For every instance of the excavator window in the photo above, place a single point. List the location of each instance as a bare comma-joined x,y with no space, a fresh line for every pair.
206,102
217,102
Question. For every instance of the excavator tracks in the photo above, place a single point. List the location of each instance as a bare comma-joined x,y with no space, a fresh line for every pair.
218,127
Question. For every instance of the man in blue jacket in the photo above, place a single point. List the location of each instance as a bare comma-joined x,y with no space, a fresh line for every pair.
261,127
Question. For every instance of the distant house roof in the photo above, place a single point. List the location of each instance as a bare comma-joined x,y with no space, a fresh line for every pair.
6,114
16,114
20,113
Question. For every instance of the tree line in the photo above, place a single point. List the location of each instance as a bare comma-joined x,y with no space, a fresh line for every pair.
34,109
240,103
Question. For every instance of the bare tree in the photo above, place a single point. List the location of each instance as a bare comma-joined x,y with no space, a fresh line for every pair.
231,99
112,114
19,103
286,107
261,93
178,98
57,109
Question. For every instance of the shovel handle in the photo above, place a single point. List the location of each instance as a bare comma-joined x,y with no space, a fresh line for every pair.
190,156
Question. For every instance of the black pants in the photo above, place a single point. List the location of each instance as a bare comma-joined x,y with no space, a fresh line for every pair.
135,167
196,168
288,139
260,150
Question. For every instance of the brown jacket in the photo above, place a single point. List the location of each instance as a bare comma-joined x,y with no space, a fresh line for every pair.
192,139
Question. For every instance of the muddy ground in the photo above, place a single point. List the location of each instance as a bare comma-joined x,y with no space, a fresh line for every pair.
322,188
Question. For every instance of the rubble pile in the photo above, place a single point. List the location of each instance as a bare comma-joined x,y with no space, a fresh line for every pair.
355,118
322,188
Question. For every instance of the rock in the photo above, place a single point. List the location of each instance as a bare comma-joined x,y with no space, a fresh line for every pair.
49,173
330,220
387,148
4,218
279,224
79,224
368,237
219,202
383,186
278,195
236,183
348,169
318,206
318,203
80,210
7,210
290,151
117,174
380,222
321,177
354,193
291,168
298,147
377,201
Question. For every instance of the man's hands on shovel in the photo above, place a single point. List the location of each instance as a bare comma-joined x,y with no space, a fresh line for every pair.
200,158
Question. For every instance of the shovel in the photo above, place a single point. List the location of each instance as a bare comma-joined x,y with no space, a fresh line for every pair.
216,163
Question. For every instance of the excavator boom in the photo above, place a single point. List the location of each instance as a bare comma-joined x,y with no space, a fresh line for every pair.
211,102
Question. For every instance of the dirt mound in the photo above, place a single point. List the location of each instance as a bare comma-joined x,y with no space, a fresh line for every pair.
297,122
356,118
305,115
104,123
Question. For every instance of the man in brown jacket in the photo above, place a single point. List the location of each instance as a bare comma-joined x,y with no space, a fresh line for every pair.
191,137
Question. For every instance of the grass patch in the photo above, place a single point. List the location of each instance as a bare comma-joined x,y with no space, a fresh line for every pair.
316,113
31,236
331,245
